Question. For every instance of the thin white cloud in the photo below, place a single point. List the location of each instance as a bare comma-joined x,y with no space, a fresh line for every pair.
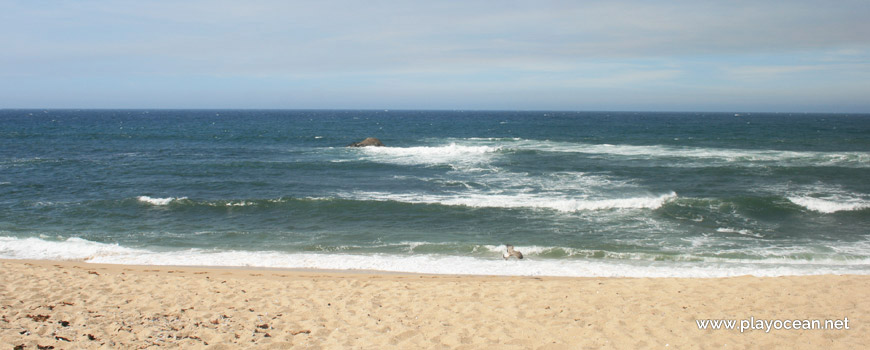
764,72
349,35
436,46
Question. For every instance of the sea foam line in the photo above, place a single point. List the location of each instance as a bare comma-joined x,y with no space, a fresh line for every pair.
94,252
71,249
519,200
738,156
452,154
483,150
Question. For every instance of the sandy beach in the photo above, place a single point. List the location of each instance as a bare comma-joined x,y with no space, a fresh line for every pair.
72,305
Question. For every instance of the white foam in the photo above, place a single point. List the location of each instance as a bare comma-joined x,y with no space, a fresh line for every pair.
706,154
575,183
847,254
832,204
854,249
495,139
93,252
534,250
159,201
520,200
452,154
785,158
826,198
739,232
70,249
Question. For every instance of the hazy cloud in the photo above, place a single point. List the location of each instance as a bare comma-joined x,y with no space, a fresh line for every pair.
419,47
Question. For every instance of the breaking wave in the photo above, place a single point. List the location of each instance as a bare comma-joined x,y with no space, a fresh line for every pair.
828,199
831,204
520,200
588,263
159,201
706,156
452,154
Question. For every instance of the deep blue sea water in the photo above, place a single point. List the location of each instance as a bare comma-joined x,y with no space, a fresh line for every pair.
579,193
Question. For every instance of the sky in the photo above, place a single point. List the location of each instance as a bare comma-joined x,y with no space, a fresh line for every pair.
741,56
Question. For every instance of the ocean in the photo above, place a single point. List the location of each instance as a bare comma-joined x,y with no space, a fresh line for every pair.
636,194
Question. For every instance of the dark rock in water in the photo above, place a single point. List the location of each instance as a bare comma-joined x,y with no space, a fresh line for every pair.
370,141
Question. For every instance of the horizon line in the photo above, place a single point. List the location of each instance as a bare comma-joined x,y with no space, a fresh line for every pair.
736,112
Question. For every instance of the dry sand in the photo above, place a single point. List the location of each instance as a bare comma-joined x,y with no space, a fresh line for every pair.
72,305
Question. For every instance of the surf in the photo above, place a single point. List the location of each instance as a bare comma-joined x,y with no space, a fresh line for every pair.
626,264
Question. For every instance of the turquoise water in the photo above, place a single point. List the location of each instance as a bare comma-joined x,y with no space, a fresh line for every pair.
579,193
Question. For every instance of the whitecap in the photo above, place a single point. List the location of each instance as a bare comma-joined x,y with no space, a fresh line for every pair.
159,201
702,156
452,154
519,200
830,204
826,198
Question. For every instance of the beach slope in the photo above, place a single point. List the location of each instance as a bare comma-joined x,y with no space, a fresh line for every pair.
91,306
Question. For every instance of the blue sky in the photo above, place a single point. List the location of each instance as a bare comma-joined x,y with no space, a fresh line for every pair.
789,56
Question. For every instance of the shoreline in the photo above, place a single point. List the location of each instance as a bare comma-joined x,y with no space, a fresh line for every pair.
78,249
84,305
384,273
